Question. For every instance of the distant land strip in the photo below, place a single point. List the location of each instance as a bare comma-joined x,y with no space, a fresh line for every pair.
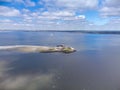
70,31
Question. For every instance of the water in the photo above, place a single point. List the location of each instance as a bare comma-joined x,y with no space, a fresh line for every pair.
95,65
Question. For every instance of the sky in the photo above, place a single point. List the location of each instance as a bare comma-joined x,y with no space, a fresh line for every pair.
60,15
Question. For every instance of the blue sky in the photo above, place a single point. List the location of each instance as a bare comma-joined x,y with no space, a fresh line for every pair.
59,14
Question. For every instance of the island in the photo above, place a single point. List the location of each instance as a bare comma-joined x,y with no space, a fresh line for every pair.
41,49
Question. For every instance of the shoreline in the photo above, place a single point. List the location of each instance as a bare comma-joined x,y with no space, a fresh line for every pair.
70,31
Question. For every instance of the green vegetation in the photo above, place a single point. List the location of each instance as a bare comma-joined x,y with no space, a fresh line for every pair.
67,50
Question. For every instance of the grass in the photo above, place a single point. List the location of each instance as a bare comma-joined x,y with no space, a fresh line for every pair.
67,50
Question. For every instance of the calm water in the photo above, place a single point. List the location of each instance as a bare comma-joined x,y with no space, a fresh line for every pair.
95,65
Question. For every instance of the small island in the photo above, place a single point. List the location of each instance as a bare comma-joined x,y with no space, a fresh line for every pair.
41,49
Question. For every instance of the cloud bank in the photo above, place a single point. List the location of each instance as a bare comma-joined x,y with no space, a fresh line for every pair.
59,14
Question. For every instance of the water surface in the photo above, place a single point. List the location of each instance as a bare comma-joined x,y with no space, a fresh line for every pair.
95,65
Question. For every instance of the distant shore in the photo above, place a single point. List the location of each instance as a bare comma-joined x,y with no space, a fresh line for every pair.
71,31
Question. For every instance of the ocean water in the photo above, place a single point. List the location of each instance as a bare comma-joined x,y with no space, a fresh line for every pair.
95,65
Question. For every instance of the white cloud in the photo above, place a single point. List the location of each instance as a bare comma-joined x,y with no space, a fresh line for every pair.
114,22
111,3
8,11
62,20
18,1
110,11
70,4
29,3
77,3
110,8
25,10
81,17
58,13
6,21
48,16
